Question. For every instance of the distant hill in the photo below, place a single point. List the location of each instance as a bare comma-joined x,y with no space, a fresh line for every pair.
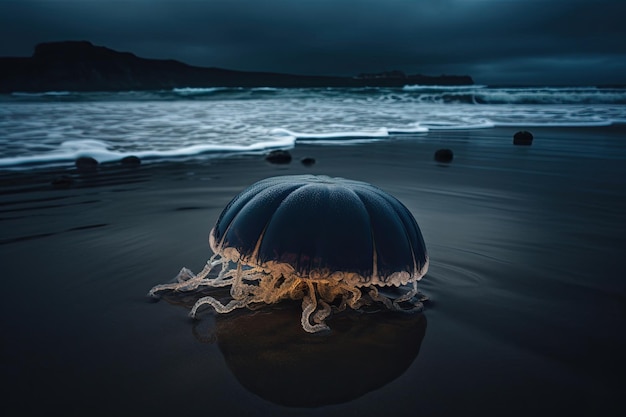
81,66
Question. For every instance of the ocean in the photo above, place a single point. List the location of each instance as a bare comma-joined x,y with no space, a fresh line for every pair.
54,128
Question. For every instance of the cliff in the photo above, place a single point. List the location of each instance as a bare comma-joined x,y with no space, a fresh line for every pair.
81,66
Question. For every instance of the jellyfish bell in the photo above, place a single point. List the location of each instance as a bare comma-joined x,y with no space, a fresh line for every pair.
331,242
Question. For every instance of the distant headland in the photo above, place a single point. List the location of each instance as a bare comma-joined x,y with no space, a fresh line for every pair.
82,66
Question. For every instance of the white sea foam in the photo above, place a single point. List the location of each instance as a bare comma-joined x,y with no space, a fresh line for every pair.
55,128
420,87
409,129
551,95
480,94
379,133
459,125
70,151
191,91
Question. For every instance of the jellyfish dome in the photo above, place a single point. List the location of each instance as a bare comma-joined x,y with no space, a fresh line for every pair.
330,242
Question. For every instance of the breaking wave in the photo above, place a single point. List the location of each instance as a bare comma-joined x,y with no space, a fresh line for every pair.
56,127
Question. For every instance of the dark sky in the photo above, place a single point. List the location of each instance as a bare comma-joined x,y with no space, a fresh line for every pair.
495,41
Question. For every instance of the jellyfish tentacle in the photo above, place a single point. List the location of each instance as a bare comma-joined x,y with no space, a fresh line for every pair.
184,275
309,305
394,304
412,293
376,296
211,263
421,296
185,281
327,291
323,313
237,289
350,297
253,287
217,306
269,289
182,279
408,295
281,285
194,281
295,290
161,287
243,295
356,300
342,304
406,298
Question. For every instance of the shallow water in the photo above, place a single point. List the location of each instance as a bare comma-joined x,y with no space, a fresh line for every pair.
527,296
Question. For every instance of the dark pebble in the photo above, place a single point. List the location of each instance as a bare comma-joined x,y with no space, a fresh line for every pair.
86,163
308,161
444,155
523,138
131,161
278,157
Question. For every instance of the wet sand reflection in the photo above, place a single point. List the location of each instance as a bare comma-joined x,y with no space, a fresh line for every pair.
272,357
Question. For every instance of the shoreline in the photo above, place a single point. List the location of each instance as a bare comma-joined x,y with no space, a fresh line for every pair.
304,148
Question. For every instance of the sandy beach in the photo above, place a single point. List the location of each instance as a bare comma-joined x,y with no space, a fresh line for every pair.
527,306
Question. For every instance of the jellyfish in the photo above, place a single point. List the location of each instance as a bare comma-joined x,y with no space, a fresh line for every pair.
331,243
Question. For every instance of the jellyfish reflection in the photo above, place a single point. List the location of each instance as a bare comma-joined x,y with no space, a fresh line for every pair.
270,355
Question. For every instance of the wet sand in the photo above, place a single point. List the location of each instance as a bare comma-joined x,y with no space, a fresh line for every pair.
527,290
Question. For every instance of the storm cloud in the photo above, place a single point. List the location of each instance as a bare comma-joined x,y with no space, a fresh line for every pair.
495,41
